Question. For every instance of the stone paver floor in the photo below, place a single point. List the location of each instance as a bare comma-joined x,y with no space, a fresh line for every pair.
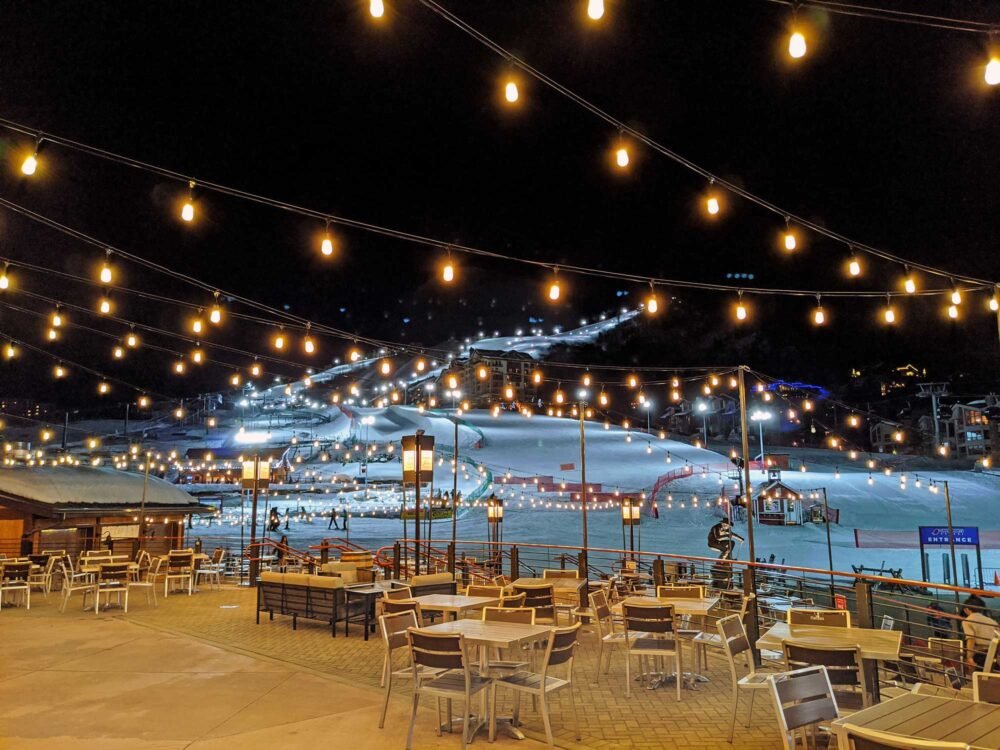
197,672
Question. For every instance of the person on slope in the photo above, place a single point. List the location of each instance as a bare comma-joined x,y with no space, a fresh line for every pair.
720,538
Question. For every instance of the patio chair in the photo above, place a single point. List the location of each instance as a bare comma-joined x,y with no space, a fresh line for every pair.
831,618
212,569
513,601
498,665
733,637
397,593
180,568
608,634
559,573
501,581
395,606
649,634
990,664
845,670
112,579
43,578
803,699
680,592
73,582
494,592
394,628
540,597
14,579
559,650
147,580
455,682
986,688
863,738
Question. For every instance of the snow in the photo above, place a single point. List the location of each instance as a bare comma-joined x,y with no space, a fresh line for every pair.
538,347
79,485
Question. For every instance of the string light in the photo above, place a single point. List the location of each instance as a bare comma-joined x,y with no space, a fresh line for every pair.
197,326
889,314
741,310
712,204
255,370
4,278
953,312
105,274
385,367
9,352
30,164
59,371
118,352
215,315
279,339
143,402
797,45
448,270
909,283
234,380
994,304
131,340
376,8
652,304
104,306
554,290
179,367
307,343
819,317
103,388
790,241
187,210
956,296
992,71
854,265
510,92
595,9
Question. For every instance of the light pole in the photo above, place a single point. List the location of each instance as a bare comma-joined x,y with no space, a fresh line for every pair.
582,395
454,488
702,408
256,476
631,517
760,416
366,421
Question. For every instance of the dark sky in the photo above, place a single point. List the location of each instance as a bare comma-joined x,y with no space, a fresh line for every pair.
884,133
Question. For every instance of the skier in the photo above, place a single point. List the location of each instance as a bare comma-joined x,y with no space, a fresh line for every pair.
720,538
333,520
274,521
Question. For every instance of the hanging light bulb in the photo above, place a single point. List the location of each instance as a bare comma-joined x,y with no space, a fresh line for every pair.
197,326
385,367
376,8
57,319
560,397
994,304
595,9
30,164
510,92
909,283
992,72
59,372
819,317
255,370
103,388
4,278
131,340
953,312
104,306
956,296
652,303
536,377
143,402
797,45
889,314
235,379
621,157
854,265
215,315
602,399
187,210
354,355
9,351
197,355
790,241
326,246
308,345
712,205
118,352
52,334
448,270
554,289
741,310
105,274
179,367
279,339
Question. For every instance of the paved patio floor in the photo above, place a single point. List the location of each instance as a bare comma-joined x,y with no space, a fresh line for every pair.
197,672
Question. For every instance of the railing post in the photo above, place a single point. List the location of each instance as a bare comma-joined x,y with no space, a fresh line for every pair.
659,577
584,571
465,570
324,553
515,564
863,593
395,560
451,558
753,612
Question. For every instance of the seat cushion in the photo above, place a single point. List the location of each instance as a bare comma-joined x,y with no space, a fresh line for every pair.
432,578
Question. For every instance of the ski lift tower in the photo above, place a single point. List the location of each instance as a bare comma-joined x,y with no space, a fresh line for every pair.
934,391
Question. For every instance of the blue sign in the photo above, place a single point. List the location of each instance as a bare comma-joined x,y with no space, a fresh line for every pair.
966,535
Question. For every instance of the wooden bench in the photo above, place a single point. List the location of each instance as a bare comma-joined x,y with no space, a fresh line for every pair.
301,595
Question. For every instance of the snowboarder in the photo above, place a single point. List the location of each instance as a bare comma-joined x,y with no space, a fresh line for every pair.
720,538
274,522
333,521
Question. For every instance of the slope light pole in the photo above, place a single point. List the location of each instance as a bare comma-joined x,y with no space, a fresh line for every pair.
951,538
454,489
829,545
583,480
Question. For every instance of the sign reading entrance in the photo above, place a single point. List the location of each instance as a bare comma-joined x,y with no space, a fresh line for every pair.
961,535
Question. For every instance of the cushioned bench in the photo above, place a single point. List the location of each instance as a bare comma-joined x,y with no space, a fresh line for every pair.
301,595
433,583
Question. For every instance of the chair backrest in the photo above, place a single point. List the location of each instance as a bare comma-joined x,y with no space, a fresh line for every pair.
179,560
680,592
17,571
218,554
986,687
991,655
843,664
802,697
393,606
394,627
561,646
734,635
436,650
537,596
493,592
155,567
949,649
863,738
836,618
646,618
888,623
523,615
513,602
599,603
559,573
501,581
116,573
397,593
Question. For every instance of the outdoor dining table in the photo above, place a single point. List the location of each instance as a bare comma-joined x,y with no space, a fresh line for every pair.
456,604
488,635
875,645
929,717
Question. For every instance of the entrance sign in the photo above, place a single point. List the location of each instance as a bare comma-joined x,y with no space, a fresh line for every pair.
961,535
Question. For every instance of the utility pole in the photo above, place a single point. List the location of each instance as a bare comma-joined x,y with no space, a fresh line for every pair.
829,546
747,486
416,508
951,540
583,474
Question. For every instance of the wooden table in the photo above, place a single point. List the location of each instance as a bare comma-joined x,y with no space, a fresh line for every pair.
454,603
682,605
929,717
487,635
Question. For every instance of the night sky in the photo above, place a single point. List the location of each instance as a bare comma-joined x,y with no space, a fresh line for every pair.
883,132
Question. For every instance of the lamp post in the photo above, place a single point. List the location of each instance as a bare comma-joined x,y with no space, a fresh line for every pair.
702,408
367,422
256,476
582,395
454,488
142,503
418,457
760,416
494,530
631,517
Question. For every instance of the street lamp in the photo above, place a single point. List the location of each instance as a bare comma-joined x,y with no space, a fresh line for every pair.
582,395
702,408
256,476
418,458
760,416
631,517
367,422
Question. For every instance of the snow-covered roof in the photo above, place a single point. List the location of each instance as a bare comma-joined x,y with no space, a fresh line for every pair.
78,487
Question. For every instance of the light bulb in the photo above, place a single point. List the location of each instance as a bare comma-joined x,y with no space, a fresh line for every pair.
355,355
910,285
603,399
595,9
308,345
29,165
797,45
992,74
376,8
179,368
819,317
105,306
56,320
9,351
448,272
510,92
255,370
197,326
143,402
197,356
956,297
187,212
652,305
890,314
235,379
483,373
4,280
560,397
621,157
52,334
386,367
106,274
554,291
741,312
279,341
712,205
118,352
132,341
103,388
215,315
854,267
59,371
790,242
327,246
994,304
953,312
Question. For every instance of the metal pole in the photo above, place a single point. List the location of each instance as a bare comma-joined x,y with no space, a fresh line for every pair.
951,538
142,507
416,510
829,546
254,554
65,429
748,487
583,476
934,408
760,424
454,488
128,405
